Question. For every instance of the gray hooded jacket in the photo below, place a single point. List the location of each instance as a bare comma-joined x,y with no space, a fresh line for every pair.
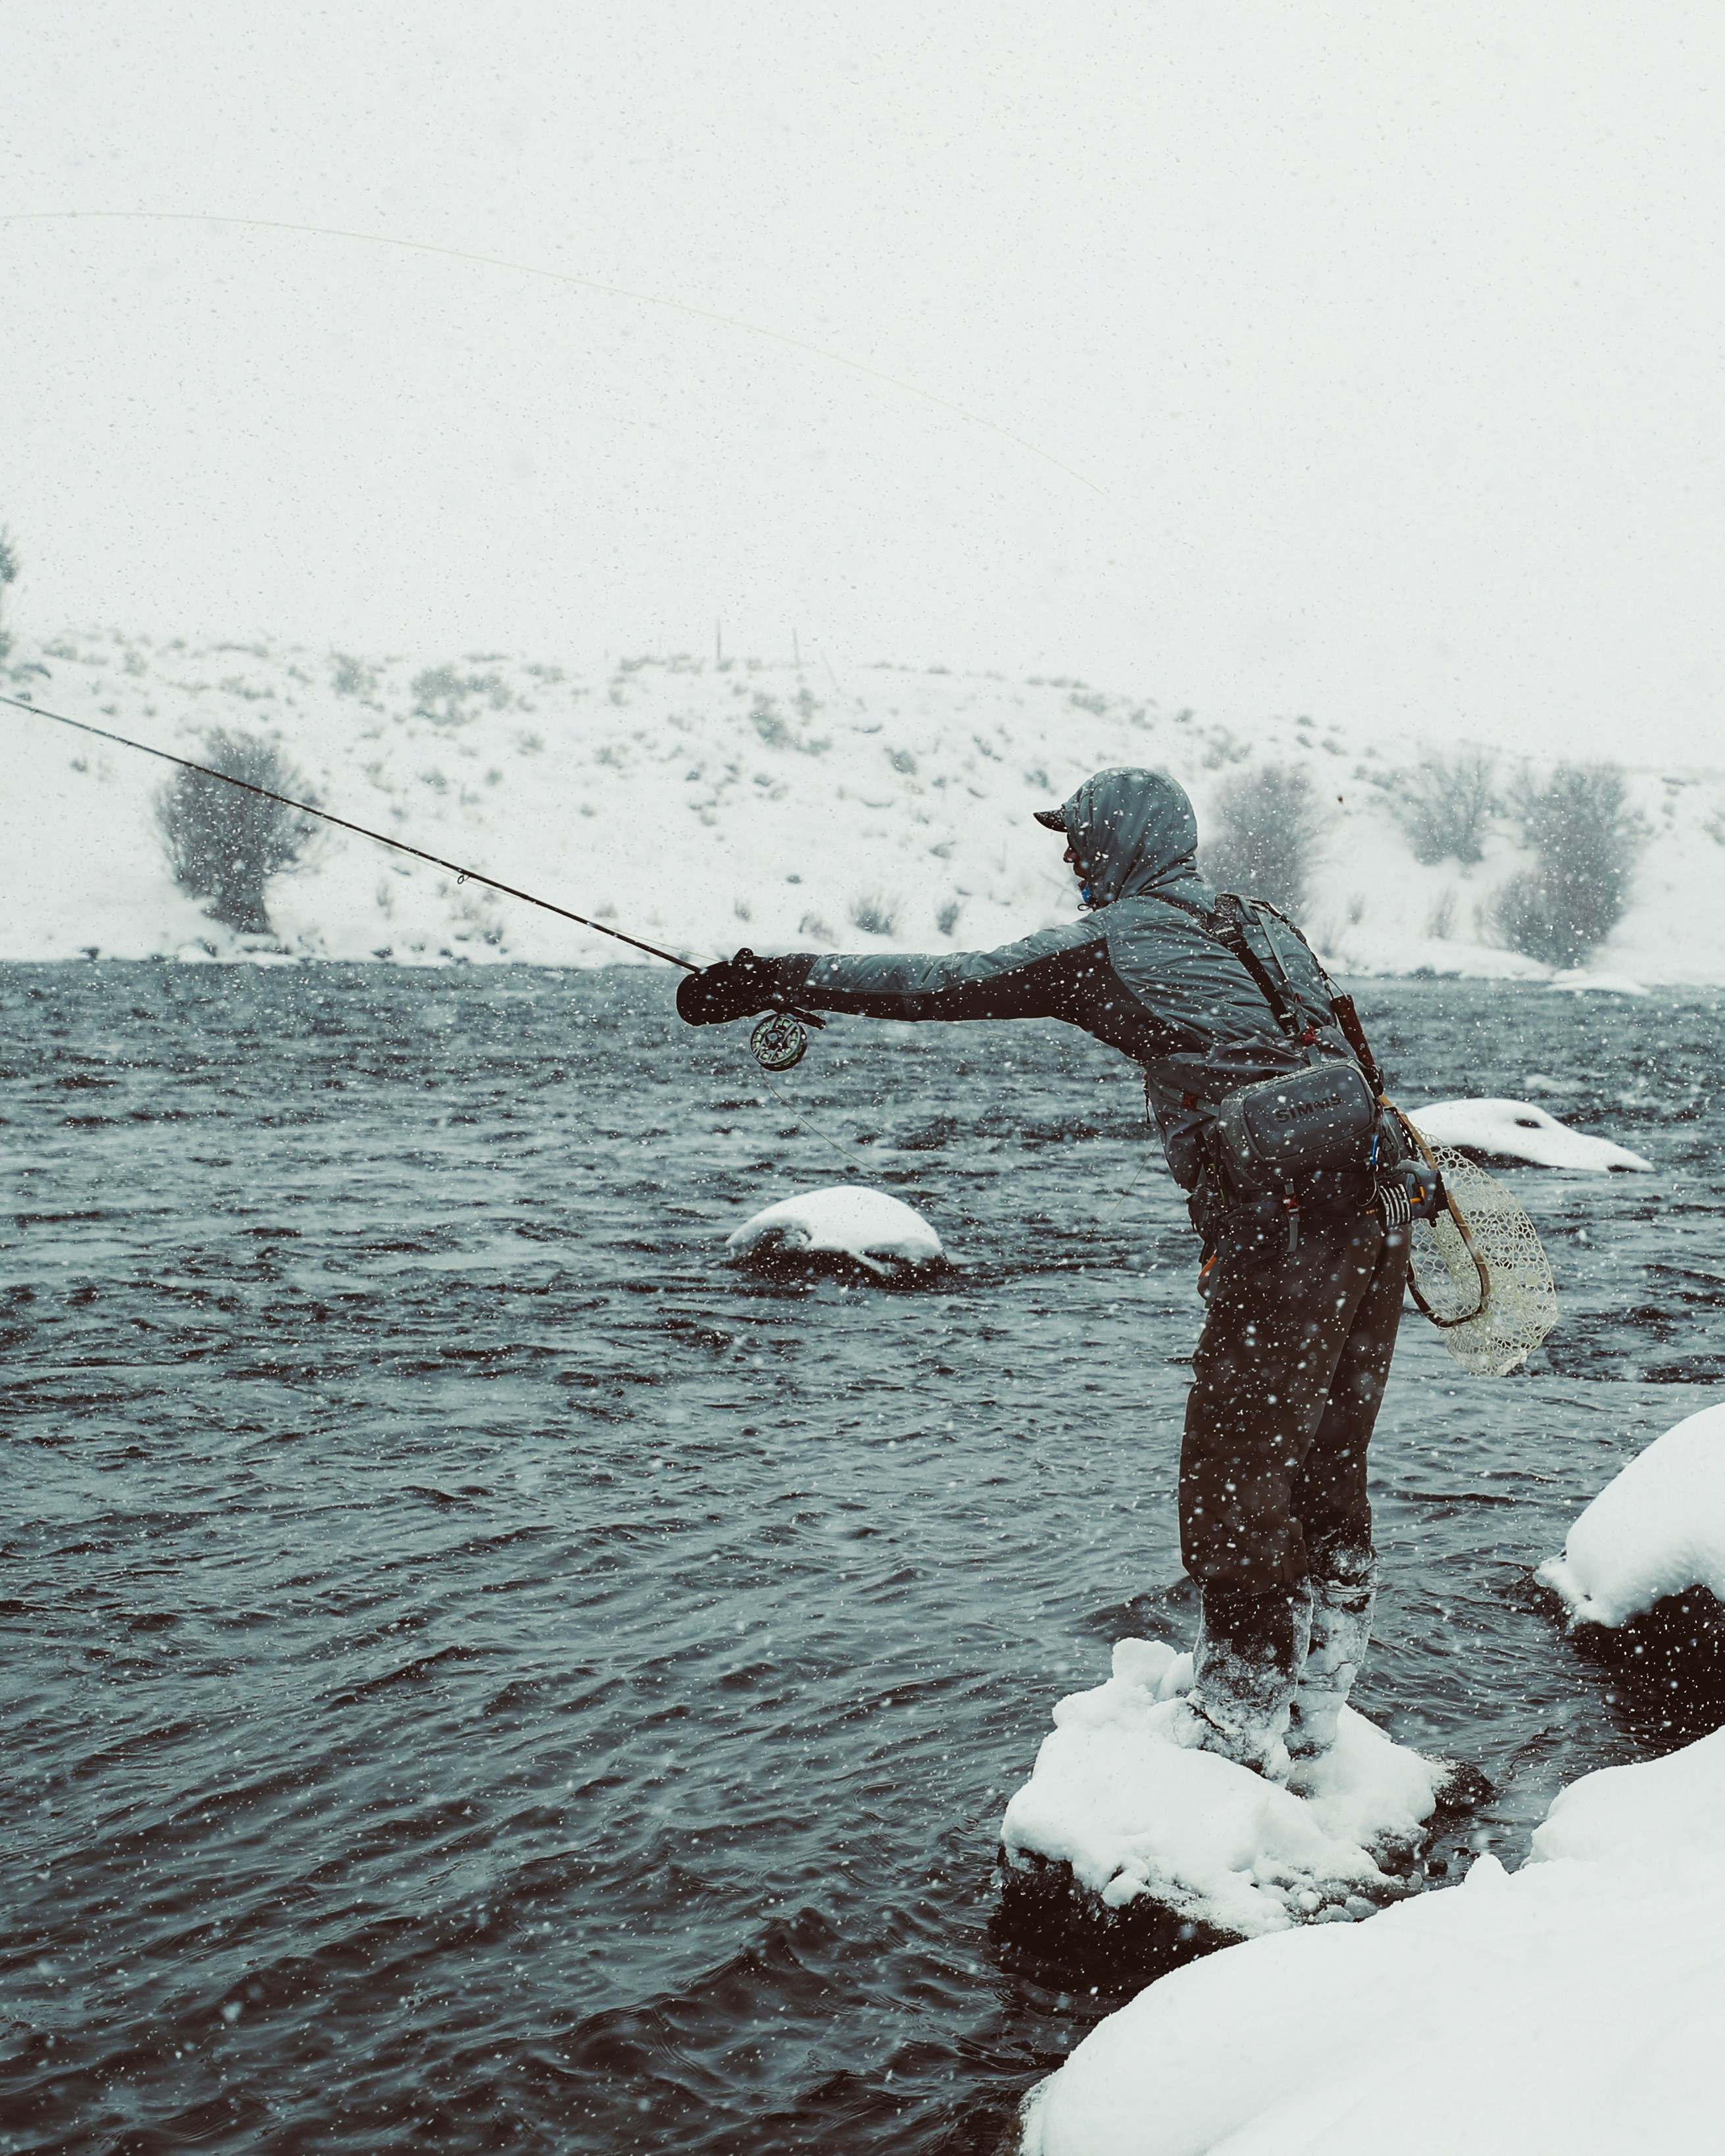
1140,970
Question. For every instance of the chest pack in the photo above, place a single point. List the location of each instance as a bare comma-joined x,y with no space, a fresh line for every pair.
1322,1120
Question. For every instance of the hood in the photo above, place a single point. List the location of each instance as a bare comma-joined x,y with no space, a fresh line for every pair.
1135,832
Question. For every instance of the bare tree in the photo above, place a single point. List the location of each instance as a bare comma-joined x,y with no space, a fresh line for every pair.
1585,839
1266,828
223,844
1444,805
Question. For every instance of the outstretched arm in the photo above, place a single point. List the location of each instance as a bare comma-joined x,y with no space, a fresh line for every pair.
1053,974
1042,976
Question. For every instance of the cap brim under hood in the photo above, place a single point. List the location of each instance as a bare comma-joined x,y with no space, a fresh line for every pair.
1051,819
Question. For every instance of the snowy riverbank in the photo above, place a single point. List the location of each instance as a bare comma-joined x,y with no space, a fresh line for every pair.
707,805
1571,2009
1568,2010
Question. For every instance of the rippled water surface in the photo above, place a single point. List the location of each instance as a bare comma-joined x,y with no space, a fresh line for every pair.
481,1674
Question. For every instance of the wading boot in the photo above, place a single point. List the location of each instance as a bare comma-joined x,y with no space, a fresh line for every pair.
1245,1669
1341,1628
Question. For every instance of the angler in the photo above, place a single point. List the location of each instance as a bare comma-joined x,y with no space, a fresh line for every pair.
1300,1182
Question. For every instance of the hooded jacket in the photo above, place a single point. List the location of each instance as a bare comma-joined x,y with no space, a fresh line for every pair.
1140,969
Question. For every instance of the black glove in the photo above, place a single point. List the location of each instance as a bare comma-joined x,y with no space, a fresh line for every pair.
1425,1188
739,987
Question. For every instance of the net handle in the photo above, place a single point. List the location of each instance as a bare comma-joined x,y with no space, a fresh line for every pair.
1461,1229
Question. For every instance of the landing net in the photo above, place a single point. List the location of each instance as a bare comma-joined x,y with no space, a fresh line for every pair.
1520,1302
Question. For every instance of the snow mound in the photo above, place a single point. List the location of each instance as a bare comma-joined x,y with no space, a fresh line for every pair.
875,1230
1571,2010
1134,1813
1654,1530
1667,1813
1515,1130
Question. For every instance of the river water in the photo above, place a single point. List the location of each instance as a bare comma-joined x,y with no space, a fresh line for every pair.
481,1674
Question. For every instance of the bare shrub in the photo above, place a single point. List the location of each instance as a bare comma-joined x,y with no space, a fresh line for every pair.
1585,839
223,845
776,731
450,699
875,914
350,676
1225,749
8,575
946,919
1267,825
769,723
1444,805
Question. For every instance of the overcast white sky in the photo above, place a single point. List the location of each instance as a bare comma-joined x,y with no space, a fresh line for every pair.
1385,341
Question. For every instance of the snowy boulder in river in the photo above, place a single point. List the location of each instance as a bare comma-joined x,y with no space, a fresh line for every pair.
1642,1575
1571,2009
1515,1130
1127,1853
838,1230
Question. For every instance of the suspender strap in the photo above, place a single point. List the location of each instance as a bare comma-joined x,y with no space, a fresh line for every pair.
1226,925
1347,1017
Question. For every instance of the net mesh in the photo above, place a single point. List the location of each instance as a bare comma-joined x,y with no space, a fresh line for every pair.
1521,1304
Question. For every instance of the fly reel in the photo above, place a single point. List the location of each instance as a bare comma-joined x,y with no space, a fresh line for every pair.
779,1042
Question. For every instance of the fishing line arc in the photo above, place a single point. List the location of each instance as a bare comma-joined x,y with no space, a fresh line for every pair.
560,277
378,838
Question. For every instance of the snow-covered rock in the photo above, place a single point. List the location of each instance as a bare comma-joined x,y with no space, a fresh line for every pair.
1570,2010
870,1228
1515,1130
1137,1816
1654,1530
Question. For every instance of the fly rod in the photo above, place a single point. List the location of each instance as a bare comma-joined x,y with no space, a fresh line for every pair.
401,846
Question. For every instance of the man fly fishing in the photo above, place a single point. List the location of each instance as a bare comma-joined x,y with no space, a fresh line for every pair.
1299,1178
1300,1183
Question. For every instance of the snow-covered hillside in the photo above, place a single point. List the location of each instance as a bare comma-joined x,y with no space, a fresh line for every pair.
706,804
